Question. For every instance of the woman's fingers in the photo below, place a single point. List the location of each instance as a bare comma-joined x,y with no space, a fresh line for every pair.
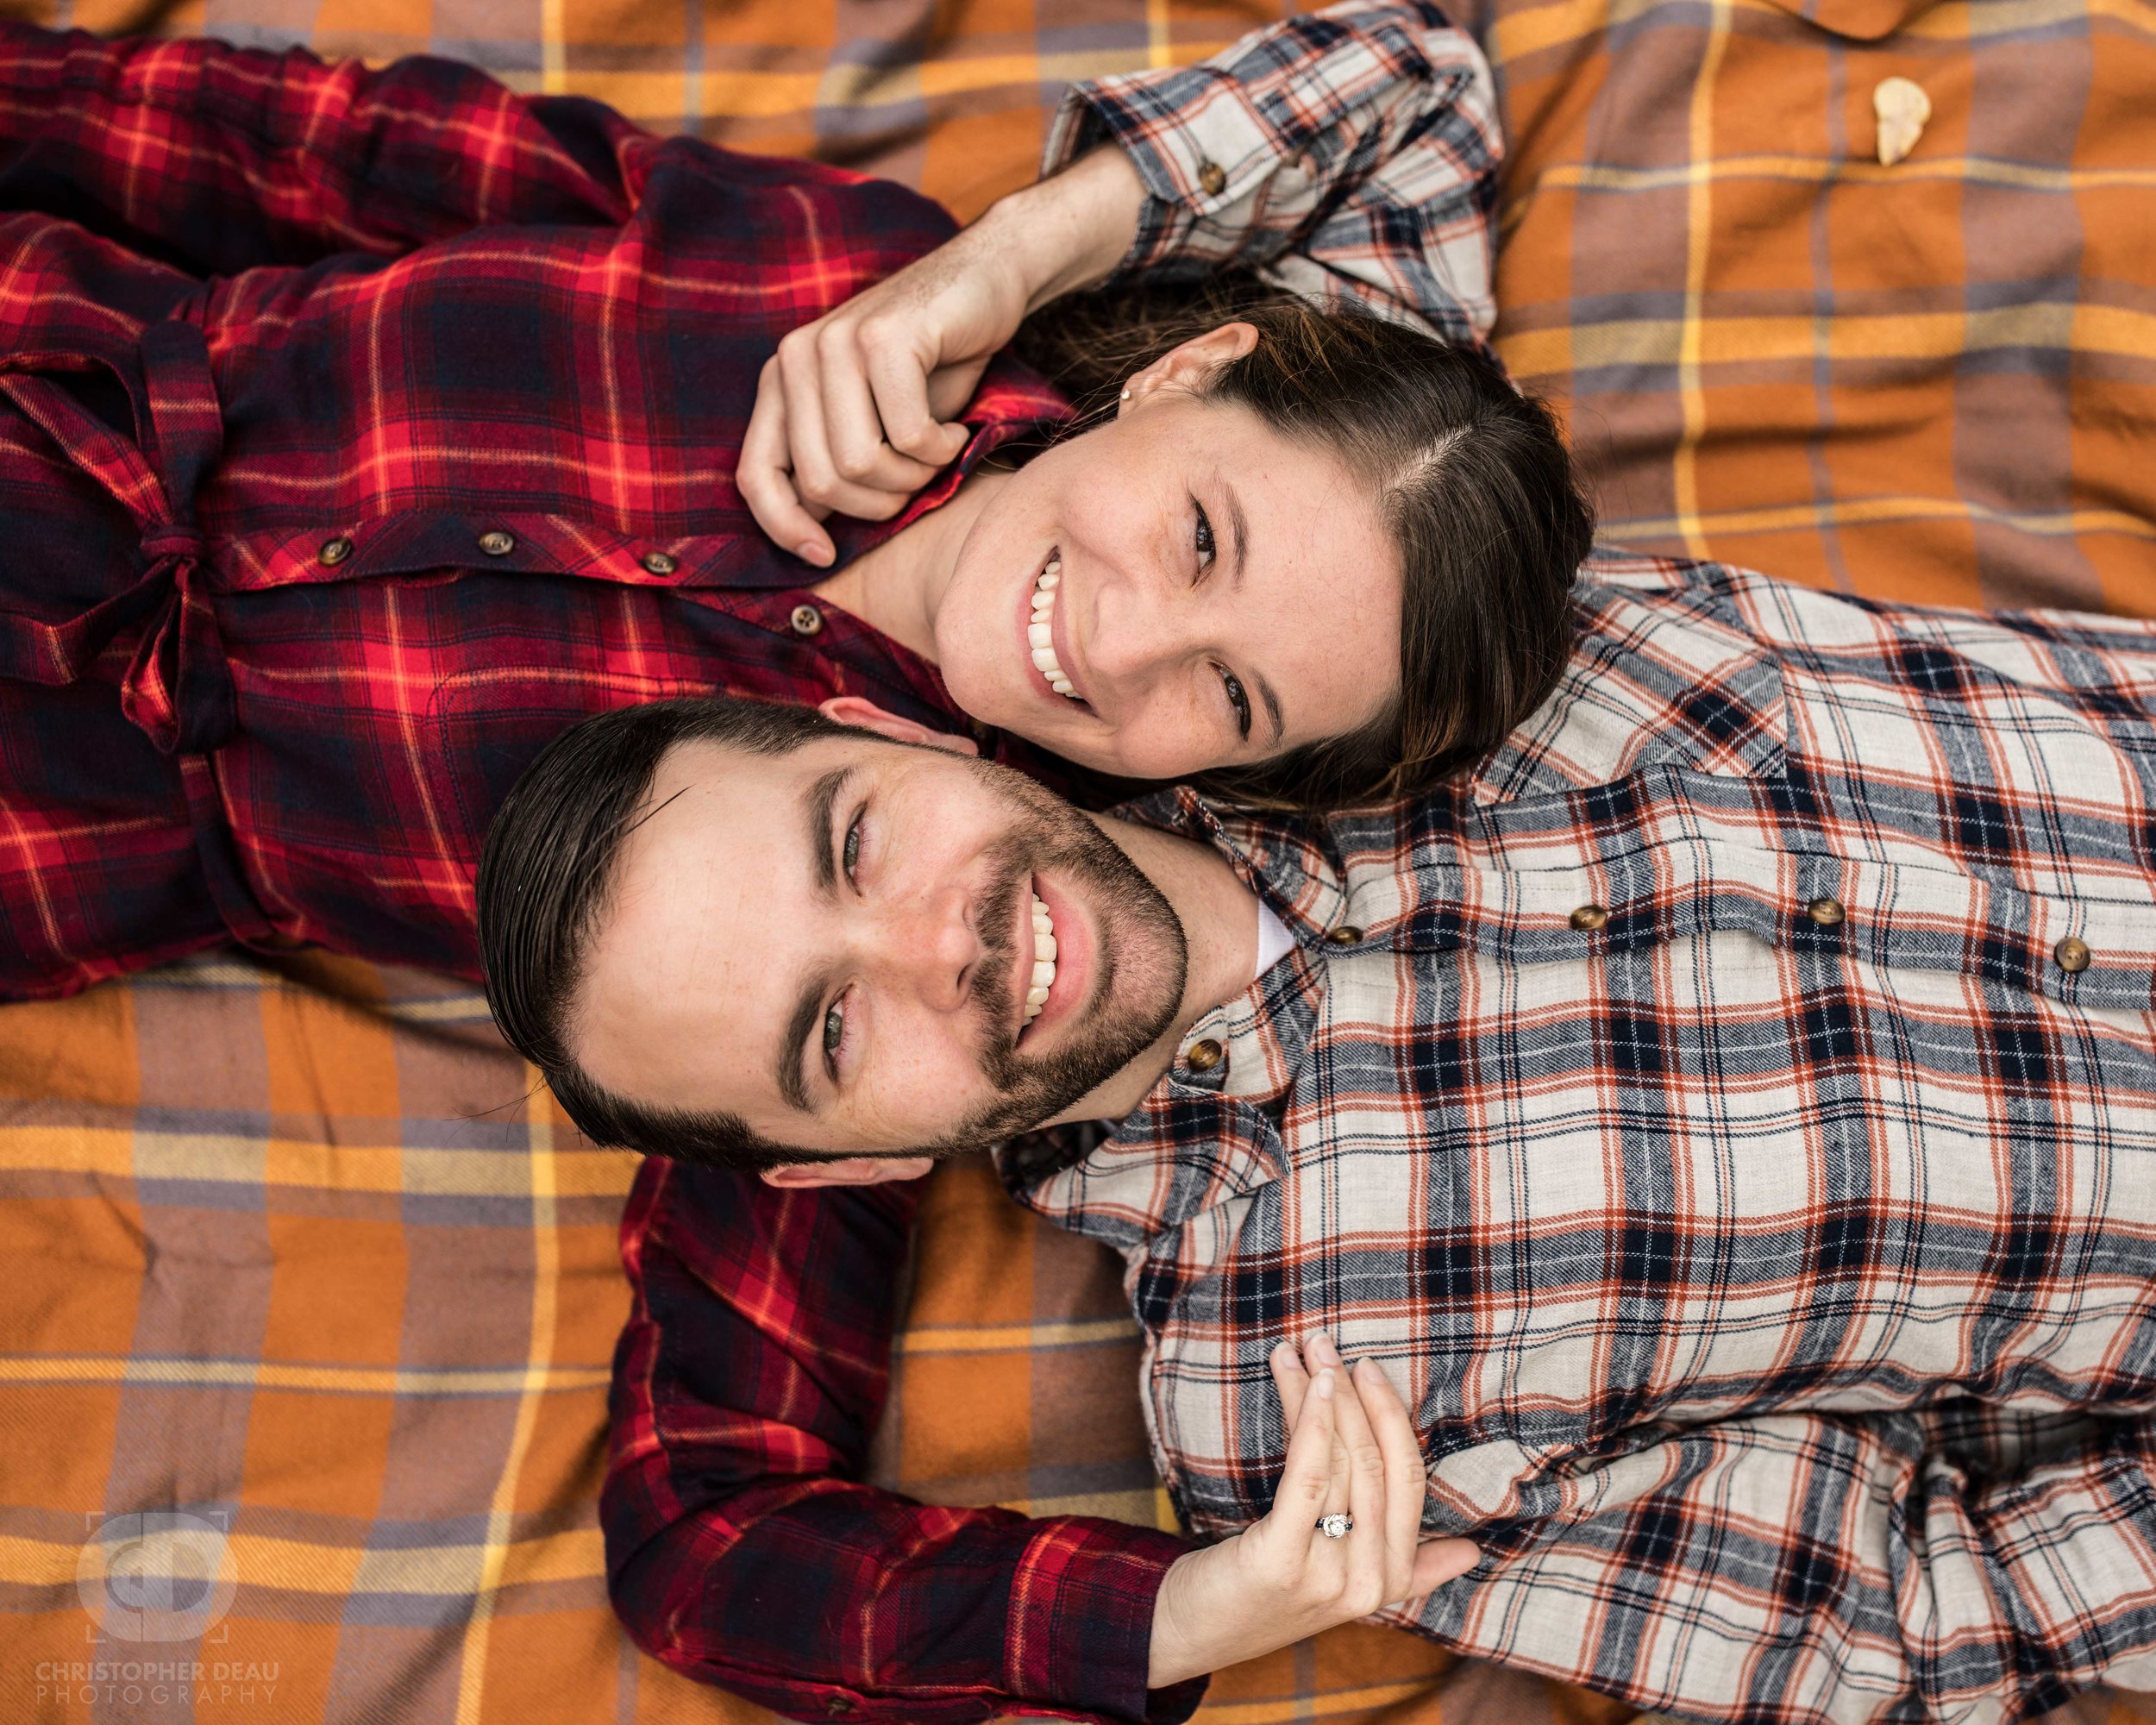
1364,1546
1406,1479
1306,1478
853,425
816,476
763,478
1437,1561
900,382
1291,1380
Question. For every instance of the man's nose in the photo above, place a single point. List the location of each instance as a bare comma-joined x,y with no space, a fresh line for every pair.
933,949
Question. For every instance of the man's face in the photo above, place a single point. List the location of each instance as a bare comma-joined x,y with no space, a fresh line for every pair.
836,946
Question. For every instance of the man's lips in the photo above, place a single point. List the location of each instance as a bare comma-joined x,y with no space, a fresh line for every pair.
1074,960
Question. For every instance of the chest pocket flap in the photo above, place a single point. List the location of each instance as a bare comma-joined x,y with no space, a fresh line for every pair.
1655,680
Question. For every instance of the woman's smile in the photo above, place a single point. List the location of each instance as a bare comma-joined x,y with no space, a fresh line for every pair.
1045,634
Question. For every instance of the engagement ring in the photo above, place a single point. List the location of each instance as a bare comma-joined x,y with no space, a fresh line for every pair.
1335,1526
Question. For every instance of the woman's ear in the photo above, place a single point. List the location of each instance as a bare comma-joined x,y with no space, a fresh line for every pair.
1189,365
853,709
849,1170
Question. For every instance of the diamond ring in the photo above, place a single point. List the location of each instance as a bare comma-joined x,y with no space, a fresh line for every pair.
1335,1526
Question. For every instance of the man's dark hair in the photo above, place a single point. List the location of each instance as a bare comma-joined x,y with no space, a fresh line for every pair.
549,862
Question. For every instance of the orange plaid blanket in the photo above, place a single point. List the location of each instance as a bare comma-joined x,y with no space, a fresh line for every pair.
303,1352
302,1244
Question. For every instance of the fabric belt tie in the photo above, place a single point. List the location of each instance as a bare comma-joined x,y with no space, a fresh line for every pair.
178,688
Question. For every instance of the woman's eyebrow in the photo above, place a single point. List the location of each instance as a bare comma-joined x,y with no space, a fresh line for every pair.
1272,707
1239,531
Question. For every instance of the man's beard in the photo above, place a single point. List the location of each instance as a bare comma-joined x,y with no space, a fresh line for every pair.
1141,960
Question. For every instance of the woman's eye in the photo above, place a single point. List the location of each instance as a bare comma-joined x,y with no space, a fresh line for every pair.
850,851
1239,700
834,1037
1206,546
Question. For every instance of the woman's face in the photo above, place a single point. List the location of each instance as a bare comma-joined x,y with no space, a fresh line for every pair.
1206,593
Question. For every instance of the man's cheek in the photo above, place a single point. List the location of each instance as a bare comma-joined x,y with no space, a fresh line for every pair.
921,1095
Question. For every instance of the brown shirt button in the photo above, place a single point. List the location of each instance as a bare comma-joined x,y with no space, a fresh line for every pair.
807,620
334,551
497,543
1825,912
1346,935
2072,954
1588,918
1213,177
1204,1056
658,563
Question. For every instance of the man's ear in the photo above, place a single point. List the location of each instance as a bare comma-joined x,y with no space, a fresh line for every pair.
849,1170
1188,365
853,709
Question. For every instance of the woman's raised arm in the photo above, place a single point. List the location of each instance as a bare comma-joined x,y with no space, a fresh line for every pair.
217,159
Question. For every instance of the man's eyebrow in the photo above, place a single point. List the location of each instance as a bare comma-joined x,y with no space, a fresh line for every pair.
822,797
794,1045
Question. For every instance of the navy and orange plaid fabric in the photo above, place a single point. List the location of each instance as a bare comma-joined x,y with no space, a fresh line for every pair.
296,1243
1930,382
303,1352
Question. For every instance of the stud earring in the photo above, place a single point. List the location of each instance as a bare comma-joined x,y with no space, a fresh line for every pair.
1126,395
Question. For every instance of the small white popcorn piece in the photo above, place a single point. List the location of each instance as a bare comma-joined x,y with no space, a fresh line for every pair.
1901,108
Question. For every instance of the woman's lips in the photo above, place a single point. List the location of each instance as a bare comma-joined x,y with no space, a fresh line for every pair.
1043,677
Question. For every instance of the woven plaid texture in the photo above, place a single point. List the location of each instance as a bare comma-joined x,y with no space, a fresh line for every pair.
294,1252
953,98
1933,382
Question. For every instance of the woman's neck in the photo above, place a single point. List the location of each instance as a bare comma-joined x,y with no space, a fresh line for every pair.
897,587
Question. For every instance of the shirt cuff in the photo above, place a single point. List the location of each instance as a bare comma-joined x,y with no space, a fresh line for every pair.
1080,1633
1218,153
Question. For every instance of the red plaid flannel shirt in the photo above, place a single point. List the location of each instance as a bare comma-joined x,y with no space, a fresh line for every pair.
359,430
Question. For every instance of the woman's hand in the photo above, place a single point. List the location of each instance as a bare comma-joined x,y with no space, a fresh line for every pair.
1351,1447
856,411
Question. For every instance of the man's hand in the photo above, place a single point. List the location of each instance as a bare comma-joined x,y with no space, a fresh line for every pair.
1351,1447
854,413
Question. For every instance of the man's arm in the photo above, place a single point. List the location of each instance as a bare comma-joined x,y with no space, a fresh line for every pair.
1353,151
217,159
741,1548
1828,1568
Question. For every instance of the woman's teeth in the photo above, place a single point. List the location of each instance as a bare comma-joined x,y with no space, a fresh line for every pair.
1042,636
1043,961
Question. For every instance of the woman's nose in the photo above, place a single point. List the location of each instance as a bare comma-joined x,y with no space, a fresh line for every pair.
932,950
1143,633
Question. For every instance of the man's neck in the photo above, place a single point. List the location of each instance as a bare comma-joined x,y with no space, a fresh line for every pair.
1218,915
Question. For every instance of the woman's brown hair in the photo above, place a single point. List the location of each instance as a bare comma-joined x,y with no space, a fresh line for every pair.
1474,482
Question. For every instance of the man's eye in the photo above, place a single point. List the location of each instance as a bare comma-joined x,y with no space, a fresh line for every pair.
1239,700
850,852
834,1036
1206,546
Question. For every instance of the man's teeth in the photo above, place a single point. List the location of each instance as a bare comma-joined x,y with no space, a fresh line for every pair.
1042,637
1043,961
